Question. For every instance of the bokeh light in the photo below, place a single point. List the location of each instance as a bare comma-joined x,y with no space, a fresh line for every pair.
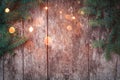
7,10
31,29
69,27
47,40
11,30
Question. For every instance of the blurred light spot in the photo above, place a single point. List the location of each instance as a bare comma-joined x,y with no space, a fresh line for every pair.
68,17
73,17
30,29
82,12
79,2
29,44
47,40
60,12
46,8
11,30
38,21
69,27
7,10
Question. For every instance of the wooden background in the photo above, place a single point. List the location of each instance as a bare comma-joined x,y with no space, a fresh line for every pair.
71,55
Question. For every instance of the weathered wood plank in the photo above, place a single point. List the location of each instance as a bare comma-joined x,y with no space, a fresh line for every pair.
13,68
1,68
118,68
35,49
71,55
68,59
100,68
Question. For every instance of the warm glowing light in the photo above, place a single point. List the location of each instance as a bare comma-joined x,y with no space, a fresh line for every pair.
68,17
46,8
29,18
60,12
31,29
69,27
79,2
38,21
47,40
73,17
11,30
7,10
82,13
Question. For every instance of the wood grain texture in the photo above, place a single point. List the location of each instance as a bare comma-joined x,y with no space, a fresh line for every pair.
1,68
35,49
118,69
100,68
13,67
70,52
67,59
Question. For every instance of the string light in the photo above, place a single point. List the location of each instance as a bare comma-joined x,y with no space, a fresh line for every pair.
73,17
69,27
46,8
47,40
60,12
68,17
7,10
11,30
30,29
82,13
79,2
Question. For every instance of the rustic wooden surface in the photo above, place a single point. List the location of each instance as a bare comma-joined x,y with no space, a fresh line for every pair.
99,68
35,49
67,59
13,66
1,68
118,69
71,55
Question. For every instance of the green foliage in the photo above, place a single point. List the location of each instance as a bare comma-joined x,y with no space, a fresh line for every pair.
16,44
106,14
98,43
88,10
97,22
19,10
